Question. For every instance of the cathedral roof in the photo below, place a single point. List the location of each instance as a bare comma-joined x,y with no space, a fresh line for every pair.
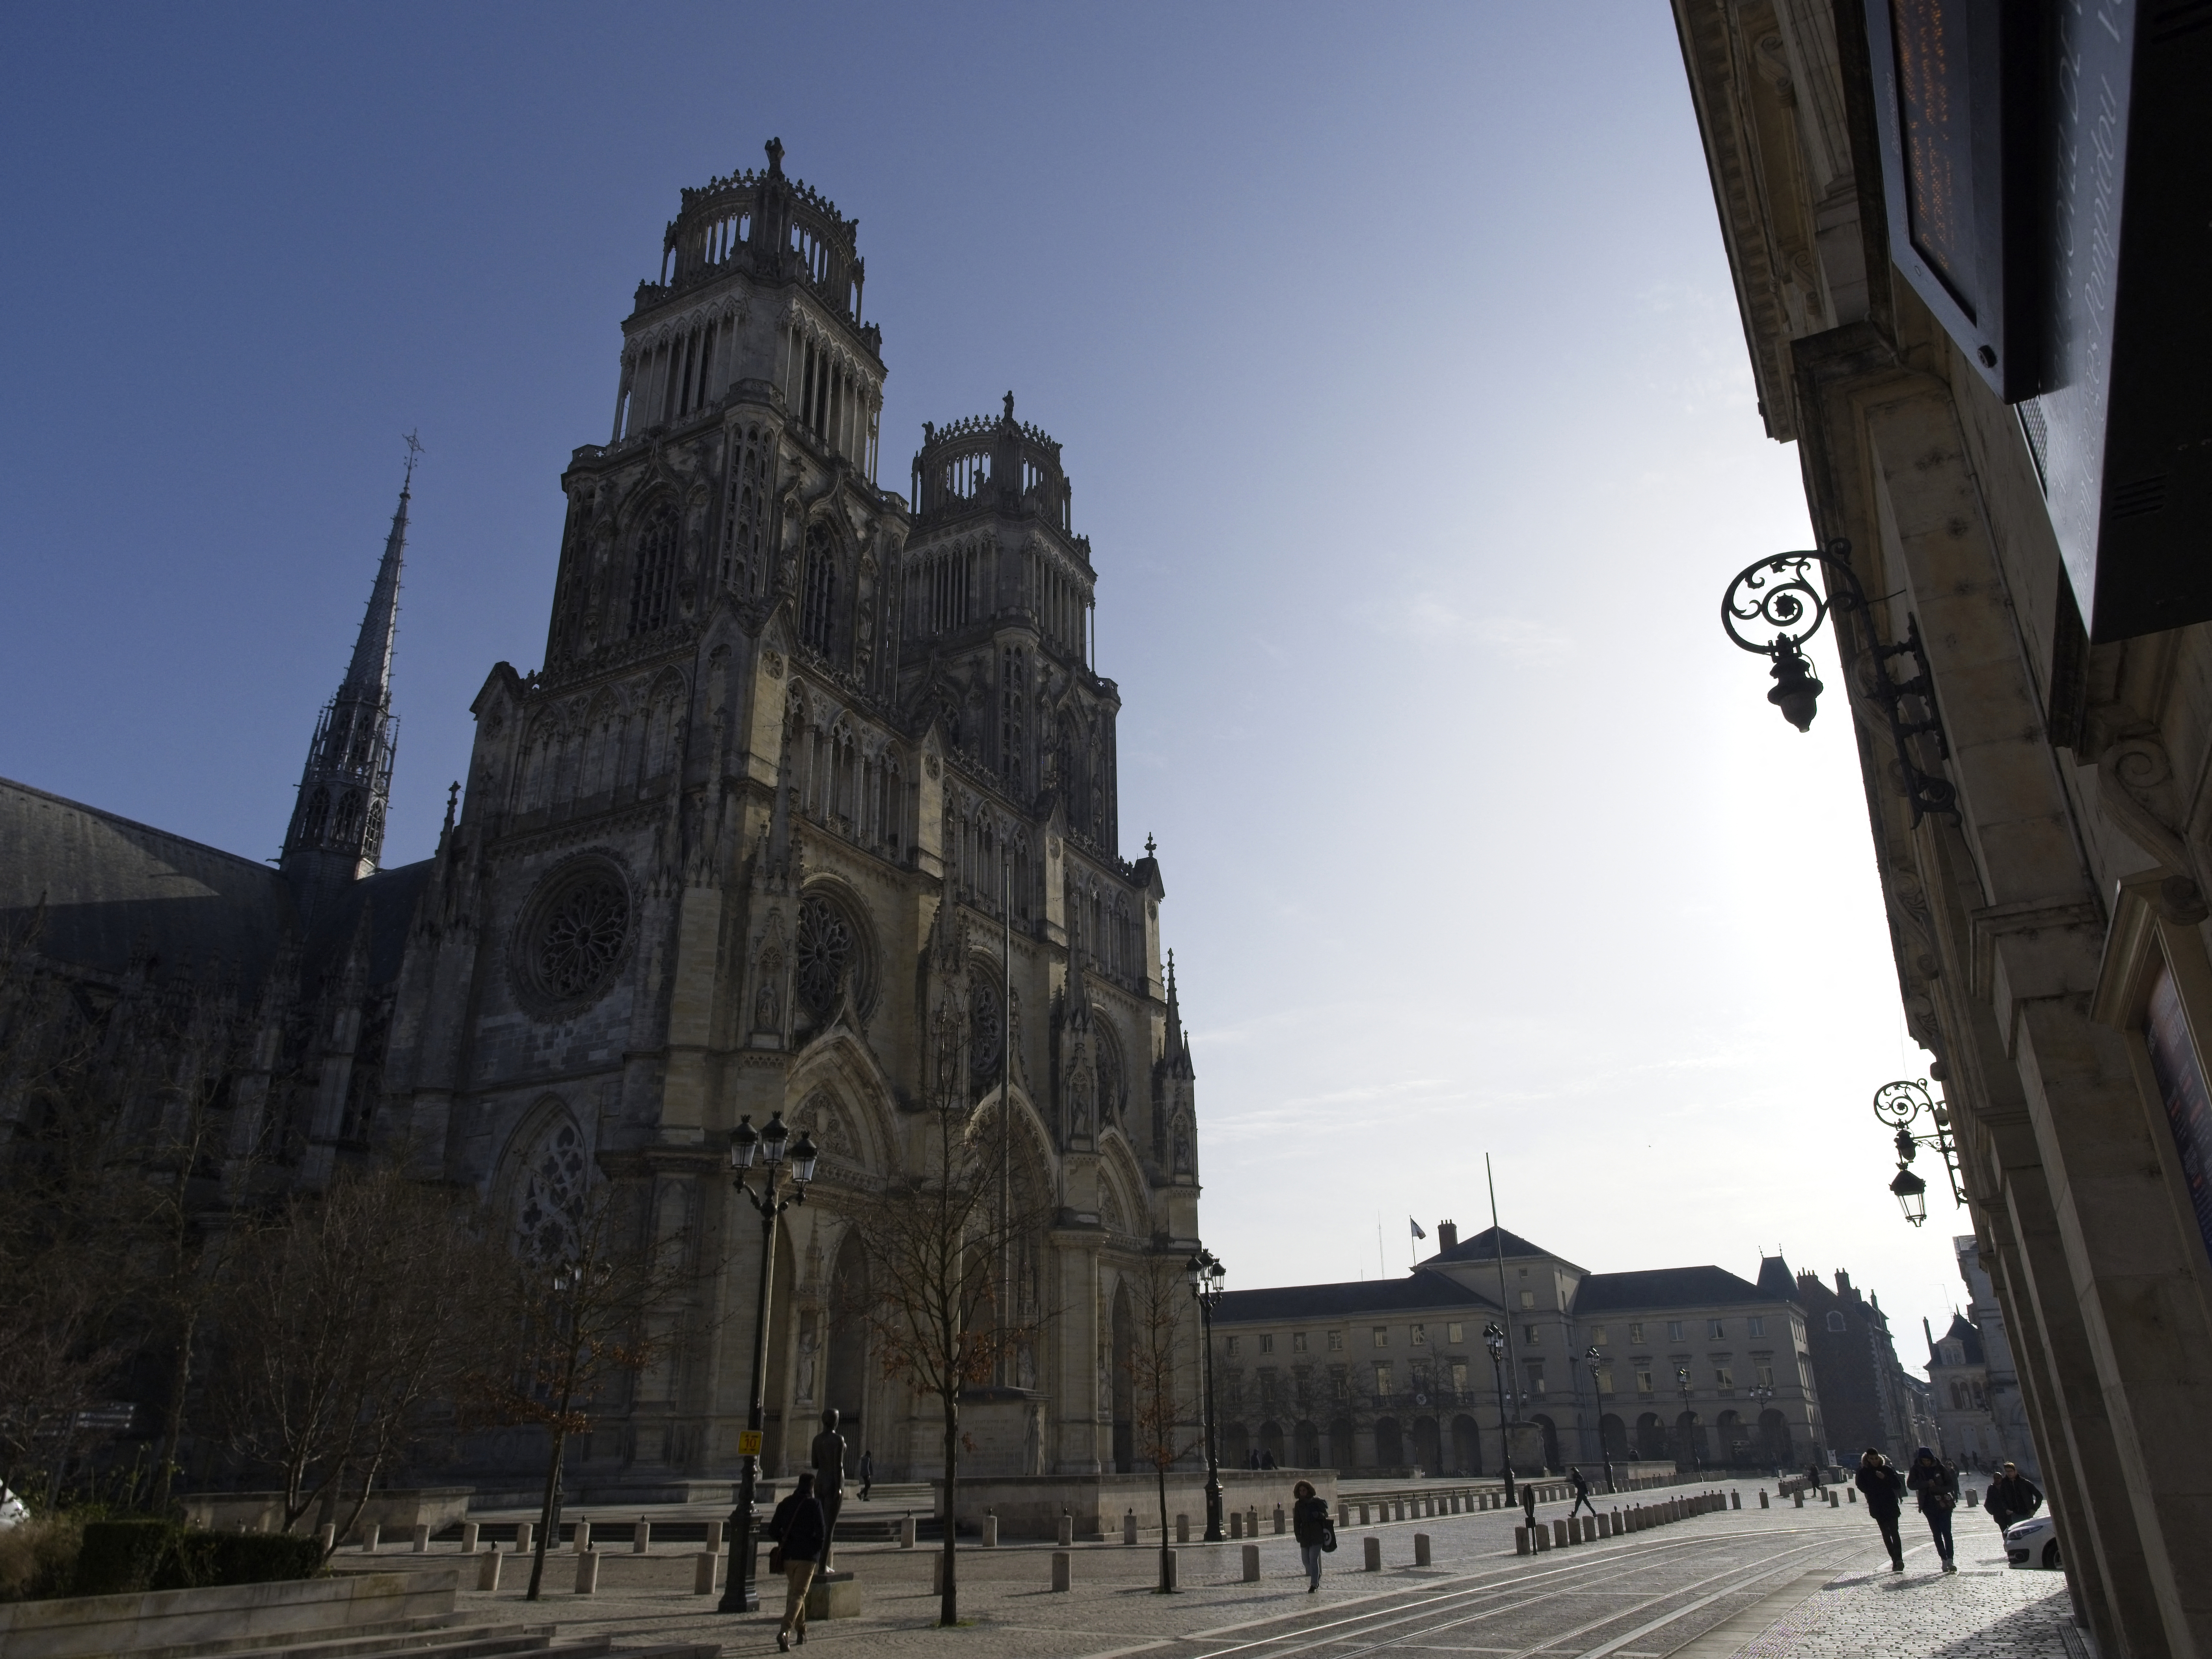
1422,1289
113,888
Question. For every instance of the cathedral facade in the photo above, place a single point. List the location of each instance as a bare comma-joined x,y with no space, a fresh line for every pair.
811,809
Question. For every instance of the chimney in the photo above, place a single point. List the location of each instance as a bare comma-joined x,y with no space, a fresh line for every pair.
1447,1237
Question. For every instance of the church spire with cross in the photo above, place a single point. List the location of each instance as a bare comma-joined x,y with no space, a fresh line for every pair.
337,832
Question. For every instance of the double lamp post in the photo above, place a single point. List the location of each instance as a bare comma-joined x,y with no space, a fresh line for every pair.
1206,1273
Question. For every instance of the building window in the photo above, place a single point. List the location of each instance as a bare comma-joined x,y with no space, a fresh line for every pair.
1420,1336
1336,1341
1459,1377
1724,1378
1643,1379
1835,1320
1527,1299
1382,1379
1605,1379
1381,1336
1267,1343
817,613
1232,1347
1636,1334
1297,1341
1765,1372
653,571
1535,1370
1715,1331
1531,1334
1674,1330
1597,1335
1756,1324
1455,1332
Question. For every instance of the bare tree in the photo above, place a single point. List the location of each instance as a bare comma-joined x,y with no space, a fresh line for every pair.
942,1318
588,1306
1165,1434
352,1322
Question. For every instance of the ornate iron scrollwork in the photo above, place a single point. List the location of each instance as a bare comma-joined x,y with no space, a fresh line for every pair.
1898,1104
1773,607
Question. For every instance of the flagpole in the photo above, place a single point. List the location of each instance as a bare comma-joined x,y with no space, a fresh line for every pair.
1513,1392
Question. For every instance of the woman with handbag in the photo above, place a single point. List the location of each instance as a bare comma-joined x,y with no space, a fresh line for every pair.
1315,1531
1937,1484
800,1533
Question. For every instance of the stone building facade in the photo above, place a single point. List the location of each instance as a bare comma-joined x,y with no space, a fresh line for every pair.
1996,395
812,774
1855,1366
1695,1364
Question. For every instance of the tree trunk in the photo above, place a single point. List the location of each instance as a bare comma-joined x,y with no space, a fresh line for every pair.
1160,1469
551,1508
948,1606
172,1425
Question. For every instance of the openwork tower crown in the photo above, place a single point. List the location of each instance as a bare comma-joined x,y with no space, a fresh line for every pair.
978,463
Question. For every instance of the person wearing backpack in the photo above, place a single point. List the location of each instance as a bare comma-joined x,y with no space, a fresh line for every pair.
800,1532
1315,1532
1883,1488
1937,1485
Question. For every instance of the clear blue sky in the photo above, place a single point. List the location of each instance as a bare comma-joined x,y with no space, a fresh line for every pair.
1400,380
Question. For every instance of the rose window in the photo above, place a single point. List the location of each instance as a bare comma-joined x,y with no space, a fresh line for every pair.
580,937
824,957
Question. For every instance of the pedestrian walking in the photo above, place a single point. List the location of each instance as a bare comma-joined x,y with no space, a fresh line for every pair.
1812,1474
867,1472
1581,1494
800,1533
1528,1504
1312,1525
2013,1497
1884,1490
1937,1486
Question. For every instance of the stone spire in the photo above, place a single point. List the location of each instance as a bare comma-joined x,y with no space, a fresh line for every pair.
337,832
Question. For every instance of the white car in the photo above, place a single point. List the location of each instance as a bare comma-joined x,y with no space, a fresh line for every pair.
2033,1543
12,1511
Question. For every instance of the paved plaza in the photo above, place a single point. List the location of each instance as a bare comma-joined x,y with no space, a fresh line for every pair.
1750,1583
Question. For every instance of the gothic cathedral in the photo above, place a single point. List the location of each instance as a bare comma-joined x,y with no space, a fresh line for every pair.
803,759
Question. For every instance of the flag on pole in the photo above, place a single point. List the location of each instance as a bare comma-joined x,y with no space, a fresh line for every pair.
1416,1226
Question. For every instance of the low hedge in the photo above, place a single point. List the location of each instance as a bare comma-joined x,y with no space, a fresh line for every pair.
119,1557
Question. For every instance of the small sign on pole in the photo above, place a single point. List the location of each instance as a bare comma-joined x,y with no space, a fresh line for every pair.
749,1442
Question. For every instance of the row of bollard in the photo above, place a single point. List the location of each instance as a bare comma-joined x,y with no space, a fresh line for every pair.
1614,1524
641,1540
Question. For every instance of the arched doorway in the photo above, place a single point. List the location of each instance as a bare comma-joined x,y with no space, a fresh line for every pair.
1689,1441
1651,1438
1614,1433
1467,1446
845,1382
1734,1439
1309,1444
1235,1445
1343,1446
1774,1439
1389,1443
1124,1405
1551,1442
1427,1455
1271,1442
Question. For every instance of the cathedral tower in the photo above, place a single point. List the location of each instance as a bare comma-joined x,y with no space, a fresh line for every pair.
337,832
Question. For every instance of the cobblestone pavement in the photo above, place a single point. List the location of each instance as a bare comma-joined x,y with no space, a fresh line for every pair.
1712,1585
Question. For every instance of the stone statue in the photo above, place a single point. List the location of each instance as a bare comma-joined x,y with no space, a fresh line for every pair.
827,1457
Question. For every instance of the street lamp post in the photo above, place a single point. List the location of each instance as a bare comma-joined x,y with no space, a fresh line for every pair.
739,1593
1689,1425
1605,1452
1764,1394
1898,1104
1206,1273
1493,1338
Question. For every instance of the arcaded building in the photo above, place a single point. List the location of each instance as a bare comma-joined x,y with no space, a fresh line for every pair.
805,759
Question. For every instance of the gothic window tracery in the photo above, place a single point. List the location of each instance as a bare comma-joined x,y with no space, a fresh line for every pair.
349,817
318,813
986,1035
817,619
825,958
551,1196
653,571
745,511
582,935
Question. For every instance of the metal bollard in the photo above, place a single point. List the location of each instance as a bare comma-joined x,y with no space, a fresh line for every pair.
1800,1497
1520,1540
1363,1515
1832,1502
1129,1528
990,1529
702,1571
468,1538
1736,1499
583,1535
1279,1518
1252,1522
588,1573
906,1532
1067,1530
1559,1533
1236,1523
1251,1563
368,1537
1420,1550
1374,1552
422,1539
1851,1496
713,1544
1762,1497
1183,1529
1060,1563
524,1532
487,1572
641,1538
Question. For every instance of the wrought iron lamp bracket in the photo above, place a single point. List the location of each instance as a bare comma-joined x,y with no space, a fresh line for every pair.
1900,1104
1772,609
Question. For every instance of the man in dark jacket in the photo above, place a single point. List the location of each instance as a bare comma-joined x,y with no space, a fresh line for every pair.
1582,1495
1528,1506
1311,1526
1883,1488
2013,1497
800,1532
